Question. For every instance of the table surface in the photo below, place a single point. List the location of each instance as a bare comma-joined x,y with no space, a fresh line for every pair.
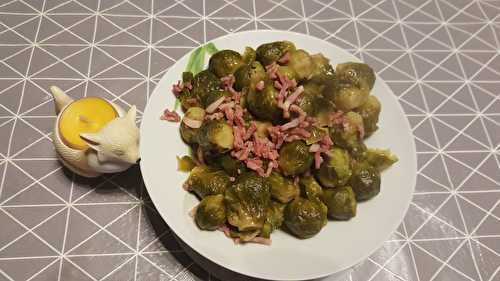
440,57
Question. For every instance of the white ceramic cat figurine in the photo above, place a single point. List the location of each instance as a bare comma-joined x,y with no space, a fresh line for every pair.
113,149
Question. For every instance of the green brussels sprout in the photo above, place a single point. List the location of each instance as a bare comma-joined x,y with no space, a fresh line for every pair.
249,75
247,200
282,189
185,163
249,55
348,134
263,104
187,97
370,112
287,71
341,202
357,75
317,134
205,180
215,135
188,134
301,63
244,236
295,158
354,83
310,188
365,181
381,159
335,170
271,52
305,218
274,218
225,62
206,87
231,165
211,212
262,127
312,101
323,71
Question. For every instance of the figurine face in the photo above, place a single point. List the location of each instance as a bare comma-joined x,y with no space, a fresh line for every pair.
118,141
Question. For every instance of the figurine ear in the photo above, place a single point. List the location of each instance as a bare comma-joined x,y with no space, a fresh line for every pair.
93,140
132,112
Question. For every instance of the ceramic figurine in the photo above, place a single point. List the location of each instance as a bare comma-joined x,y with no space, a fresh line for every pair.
93,136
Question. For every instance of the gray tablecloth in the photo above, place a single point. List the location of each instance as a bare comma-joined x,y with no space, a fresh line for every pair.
440,57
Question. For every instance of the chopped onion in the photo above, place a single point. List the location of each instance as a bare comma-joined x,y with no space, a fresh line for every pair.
213,106
192,123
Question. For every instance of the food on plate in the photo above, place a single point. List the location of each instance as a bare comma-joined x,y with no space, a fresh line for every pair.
277,136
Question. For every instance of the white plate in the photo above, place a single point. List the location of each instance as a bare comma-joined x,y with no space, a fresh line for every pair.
339,245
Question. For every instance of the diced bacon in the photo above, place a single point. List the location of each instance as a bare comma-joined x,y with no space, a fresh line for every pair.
291,99
301,132
225,229
336,118
228,81
171,116
230,104
251,129
317,159
192,123
326,140
260,86
285,58
261,240
272,70
277,85
237,97
314,148
238,116
229,113
292,124
361,130
256,165
296,109
214,116
239,134
177,88
292,138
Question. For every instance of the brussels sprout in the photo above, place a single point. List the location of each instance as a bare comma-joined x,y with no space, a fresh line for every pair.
231,165
204,180
310,188
225,62
341,202
335,170
381,159
247,200
305,218
295,158
185,163
317,134
244,236
274,218
287,71
211,212
188,134
263,104
323,71
206,86
301,63
311,100
365,181
271,52
282,189
249,55
370,111
249,75
215,135
348,134
355,80
357,75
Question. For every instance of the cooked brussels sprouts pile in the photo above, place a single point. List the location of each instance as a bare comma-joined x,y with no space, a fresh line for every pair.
277,136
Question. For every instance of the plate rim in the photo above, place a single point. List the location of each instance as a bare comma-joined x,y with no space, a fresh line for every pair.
412,149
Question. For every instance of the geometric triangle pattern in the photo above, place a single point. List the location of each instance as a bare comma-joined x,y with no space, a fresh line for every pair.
441,58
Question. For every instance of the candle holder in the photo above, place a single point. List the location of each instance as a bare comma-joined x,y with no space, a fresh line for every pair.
111,146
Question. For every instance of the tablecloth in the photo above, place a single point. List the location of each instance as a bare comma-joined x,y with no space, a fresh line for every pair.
440,58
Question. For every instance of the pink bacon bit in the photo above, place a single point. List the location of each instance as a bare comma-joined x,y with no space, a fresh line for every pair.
292,124
260,86
171,116
251,129
238,116
272,70
256,165
285,58
314,148
261,240
239,135
225,230
292,138
228,81
177,88
199,156
214,116
317,159
301,132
